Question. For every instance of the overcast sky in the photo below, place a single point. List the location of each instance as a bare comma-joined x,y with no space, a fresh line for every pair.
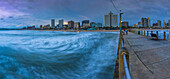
17,13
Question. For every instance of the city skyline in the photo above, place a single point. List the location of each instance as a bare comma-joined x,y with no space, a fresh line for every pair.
36,12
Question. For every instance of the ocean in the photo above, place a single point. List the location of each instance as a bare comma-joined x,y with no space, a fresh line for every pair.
57,55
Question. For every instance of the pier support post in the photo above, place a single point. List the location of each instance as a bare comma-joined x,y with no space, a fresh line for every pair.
157,34
164,35
144,32
147,33
151,32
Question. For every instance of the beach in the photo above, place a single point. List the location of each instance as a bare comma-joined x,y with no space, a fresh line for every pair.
83,30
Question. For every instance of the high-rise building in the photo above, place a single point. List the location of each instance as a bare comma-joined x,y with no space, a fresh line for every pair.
77,25
99,24
168,23
149,22
53,23
144,22
159,23
164,24
110,20
85,22
61,22
71,24
126,24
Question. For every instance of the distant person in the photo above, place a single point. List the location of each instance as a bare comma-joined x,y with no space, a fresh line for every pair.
125,32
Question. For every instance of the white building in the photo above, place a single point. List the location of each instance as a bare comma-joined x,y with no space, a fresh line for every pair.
61,22
110,20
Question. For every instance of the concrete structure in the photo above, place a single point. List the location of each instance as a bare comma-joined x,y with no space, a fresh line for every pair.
110,20
168,23
99,24
52,23
159,23
135,25
71,24
148,59
86,25
149,24
85,22
144,22
93,24
126,24
61,22
139,24
77,25
164,24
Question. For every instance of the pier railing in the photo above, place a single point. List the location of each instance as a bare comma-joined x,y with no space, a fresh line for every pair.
123,60
159,34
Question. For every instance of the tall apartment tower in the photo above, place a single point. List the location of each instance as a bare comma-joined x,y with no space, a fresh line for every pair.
164,24
168,23
159,23
61,22
144,22
149,24
110,20
53,23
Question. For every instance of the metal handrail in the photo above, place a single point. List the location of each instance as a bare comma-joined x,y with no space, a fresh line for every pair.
127,73
126,69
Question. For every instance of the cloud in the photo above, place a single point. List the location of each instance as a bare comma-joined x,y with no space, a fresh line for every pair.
41,11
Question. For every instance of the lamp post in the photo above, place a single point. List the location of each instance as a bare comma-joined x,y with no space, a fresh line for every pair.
120,21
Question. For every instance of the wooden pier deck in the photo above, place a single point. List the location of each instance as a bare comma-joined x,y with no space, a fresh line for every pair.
148,59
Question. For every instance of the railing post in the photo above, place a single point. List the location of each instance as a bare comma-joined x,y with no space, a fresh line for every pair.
157,34
164,35
151,32
138,32
147,33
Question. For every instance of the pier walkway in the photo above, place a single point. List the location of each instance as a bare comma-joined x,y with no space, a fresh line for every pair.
148,59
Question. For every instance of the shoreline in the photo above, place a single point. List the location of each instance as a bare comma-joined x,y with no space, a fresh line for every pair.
82,30
89,30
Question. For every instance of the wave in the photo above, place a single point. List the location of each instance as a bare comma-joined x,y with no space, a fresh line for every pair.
64,56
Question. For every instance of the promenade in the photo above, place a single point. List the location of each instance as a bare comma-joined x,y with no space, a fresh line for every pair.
148,58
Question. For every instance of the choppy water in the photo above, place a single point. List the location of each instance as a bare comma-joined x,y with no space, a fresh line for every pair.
57,55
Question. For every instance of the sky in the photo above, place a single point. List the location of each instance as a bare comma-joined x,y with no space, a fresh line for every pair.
19,13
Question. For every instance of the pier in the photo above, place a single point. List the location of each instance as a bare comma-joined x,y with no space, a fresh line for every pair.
148,58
